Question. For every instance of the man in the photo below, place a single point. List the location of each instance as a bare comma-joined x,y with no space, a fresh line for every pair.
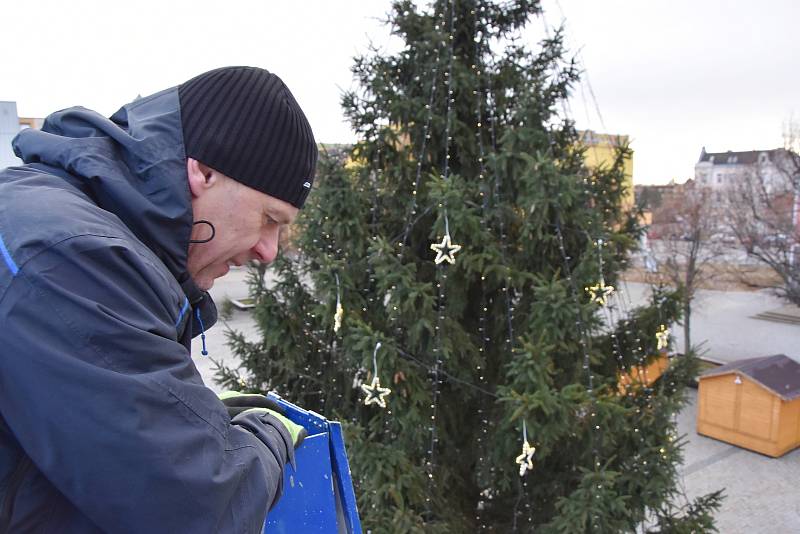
110,235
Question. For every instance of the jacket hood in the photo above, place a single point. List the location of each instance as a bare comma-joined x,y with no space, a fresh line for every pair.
133,165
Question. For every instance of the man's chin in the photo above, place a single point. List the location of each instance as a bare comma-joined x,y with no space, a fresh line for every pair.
205,284
205,280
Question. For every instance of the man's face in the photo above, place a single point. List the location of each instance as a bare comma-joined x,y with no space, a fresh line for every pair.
247,224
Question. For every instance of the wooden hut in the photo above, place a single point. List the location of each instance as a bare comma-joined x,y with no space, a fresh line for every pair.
752,403
643,375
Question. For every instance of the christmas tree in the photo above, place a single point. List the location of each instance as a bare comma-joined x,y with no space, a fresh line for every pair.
451,298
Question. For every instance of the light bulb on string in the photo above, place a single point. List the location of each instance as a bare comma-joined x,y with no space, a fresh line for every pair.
445,251
582,332
482,436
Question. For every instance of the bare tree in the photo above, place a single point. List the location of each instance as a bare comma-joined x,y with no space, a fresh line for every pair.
687,249
791,135
763,209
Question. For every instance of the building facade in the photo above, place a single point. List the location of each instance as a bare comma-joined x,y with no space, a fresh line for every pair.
721,172
601,150
10,126
759,193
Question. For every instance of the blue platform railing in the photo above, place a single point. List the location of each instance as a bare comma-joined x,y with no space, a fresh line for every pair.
318,496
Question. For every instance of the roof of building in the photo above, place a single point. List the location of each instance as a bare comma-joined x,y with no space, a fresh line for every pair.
779,373
590,137
747,157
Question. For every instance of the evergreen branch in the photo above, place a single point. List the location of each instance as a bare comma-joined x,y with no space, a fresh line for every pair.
420,363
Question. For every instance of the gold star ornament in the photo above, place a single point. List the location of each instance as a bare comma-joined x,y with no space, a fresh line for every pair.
525,460
445,250
599,293
662,337
375,393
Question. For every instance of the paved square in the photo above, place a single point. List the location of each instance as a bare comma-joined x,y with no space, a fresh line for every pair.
762,495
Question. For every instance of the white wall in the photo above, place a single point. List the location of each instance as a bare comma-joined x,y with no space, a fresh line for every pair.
9,127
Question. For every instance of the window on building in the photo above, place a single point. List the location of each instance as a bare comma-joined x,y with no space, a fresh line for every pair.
719,177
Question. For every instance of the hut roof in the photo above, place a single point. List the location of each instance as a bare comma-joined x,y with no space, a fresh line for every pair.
779,373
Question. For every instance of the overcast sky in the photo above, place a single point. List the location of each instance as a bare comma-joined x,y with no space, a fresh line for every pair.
673,75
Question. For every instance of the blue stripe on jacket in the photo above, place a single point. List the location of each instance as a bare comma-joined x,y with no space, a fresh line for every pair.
7,256
183,310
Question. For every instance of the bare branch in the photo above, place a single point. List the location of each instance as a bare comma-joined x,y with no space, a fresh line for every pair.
762,212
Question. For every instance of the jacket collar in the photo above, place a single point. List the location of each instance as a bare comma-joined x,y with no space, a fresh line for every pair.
133,165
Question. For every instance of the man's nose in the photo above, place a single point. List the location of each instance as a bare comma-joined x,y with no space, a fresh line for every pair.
266,249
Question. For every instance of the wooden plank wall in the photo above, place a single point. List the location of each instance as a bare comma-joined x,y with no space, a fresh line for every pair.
643,375
747,415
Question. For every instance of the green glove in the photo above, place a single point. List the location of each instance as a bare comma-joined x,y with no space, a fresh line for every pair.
297,432
237,402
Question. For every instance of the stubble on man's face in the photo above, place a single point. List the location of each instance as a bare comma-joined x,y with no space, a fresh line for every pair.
231,212
247,224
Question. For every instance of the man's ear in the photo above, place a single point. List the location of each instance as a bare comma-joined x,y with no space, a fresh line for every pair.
201,177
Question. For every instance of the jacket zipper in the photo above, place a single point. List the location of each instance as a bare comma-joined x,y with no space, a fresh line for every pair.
14,483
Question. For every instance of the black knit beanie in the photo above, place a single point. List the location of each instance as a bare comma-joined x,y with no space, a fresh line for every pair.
245,123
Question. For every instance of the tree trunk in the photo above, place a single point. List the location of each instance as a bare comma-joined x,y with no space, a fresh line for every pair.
687,315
